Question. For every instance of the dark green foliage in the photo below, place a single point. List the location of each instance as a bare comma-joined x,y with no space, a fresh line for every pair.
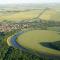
52,45
11,53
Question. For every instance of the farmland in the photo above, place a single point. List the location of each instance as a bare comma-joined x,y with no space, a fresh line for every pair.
42,36
51,15
19,15
48,14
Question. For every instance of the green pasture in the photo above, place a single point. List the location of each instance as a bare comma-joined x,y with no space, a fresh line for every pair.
32,39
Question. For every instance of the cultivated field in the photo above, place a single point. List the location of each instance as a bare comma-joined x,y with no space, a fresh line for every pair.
49,14
20,15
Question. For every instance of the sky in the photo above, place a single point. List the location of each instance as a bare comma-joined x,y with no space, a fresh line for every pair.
28,1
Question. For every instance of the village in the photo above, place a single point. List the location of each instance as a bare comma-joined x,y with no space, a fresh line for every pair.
6,27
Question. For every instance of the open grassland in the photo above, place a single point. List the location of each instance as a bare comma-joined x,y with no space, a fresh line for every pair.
32,40
49,14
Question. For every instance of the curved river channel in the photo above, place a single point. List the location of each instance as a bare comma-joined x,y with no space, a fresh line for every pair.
15,44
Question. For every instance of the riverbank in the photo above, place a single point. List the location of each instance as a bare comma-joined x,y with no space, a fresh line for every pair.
15,44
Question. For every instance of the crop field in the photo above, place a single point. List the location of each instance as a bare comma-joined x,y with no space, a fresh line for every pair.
19,15
32,40
49,14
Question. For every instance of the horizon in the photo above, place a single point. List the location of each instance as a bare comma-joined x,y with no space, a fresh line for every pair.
28,1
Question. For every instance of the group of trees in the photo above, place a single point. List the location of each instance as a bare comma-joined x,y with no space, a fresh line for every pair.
11,53
42,24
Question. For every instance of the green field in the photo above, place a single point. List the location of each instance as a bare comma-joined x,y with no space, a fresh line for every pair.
32,40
